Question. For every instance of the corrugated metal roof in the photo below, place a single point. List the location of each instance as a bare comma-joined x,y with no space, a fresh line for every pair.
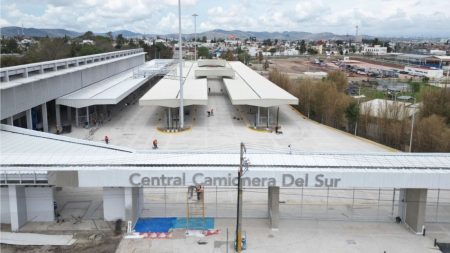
251,88
167,91
22,149
110,90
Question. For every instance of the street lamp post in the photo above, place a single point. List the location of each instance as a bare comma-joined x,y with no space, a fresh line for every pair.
195,36
412,119
180,63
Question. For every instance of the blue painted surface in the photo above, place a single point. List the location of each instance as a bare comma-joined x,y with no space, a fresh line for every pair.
166,224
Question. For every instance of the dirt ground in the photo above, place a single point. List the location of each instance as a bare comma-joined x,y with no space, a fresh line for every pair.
86,243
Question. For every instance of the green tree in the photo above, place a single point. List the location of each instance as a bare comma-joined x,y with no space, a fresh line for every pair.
352,113
339,79
260,57
272,51
9,46
88,35
312,51
228,56
302,47
266,64
120,41
203,52
244,57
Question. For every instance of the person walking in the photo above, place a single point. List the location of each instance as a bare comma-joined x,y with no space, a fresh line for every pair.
106,139
155,144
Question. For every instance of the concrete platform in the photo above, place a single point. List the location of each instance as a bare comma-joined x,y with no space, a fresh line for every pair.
136,126
296,236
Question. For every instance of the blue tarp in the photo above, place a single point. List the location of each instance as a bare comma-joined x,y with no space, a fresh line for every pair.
166,224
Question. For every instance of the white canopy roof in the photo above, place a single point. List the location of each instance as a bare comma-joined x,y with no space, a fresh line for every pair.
113,89
250,88
167,91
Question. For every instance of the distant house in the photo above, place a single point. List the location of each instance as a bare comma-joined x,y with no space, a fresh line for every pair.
88,42
375,50
382,108
432,73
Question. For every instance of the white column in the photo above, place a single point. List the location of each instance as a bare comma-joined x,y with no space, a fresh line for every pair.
69,114
17,206
58,117
44,117
113,203
76,117
10,121
122,203
258,116
416,202
25,72
402,204
87,115
6,76
29,119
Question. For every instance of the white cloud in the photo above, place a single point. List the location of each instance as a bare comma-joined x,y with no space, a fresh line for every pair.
386,17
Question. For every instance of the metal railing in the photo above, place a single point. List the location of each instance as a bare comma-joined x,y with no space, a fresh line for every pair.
55,65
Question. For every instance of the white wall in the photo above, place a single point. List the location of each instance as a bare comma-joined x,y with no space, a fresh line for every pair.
113,203
215,85
18,206
4,208
40,203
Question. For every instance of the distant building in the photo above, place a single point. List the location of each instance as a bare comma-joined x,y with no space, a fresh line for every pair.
437,52
375,50
433,73
88,42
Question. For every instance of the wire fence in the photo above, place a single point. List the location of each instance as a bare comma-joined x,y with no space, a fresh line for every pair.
299,203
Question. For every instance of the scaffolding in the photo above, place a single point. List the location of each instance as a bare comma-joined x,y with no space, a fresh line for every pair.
195,209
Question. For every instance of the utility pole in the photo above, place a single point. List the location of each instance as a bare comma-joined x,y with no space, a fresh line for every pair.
180,59
239,202
195,36
412,125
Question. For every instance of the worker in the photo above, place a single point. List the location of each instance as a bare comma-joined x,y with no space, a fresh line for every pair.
191,191
106,139
199,190
155,144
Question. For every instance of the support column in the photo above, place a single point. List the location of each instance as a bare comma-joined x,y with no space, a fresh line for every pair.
44,117
29,119
87,115
58,117
122,203
113,203
17,206
416,202
274,206
76,117
402,204
69,115
10,121
268,116
169,119
258,116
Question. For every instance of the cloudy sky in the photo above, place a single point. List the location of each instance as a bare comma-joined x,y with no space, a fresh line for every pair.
374,17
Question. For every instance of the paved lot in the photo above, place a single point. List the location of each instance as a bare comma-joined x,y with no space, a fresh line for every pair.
136,126
296,236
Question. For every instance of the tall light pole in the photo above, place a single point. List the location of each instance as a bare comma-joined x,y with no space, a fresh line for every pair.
412,119
243,167
180,63
195,36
